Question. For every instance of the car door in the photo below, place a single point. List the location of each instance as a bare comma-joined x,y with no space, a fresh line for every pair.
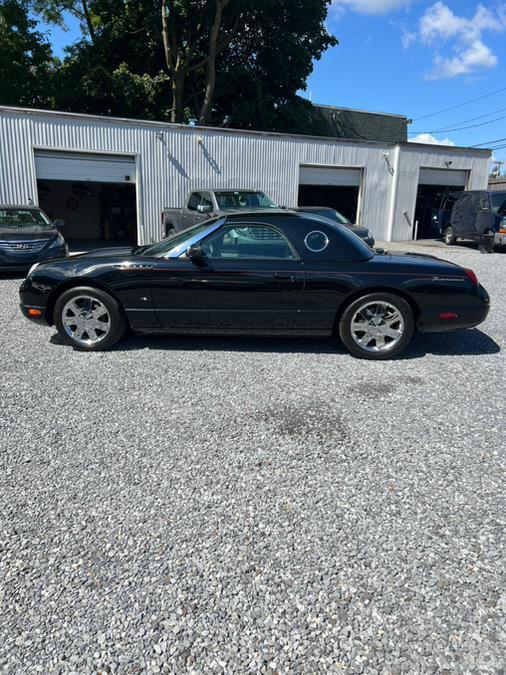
249,280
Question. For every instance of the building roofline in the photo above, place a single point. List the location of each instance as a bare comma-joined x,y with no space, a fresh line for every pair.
226,130
447,148
357,110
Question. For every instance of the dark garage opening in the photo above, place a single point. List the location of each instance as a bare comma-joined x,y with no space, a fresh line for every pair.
93,212
433,208
340,197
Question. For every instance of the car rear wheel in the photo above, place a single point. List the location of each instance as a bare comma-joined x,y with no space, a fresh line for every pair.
377,326
449,237
89,319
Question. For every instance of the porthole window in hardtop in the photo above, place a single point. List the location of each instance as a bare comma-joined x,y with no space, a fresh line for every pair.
316,241
320,239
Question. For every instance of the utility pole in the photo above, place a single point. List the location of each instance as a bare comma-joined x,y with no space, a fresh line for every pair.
497,171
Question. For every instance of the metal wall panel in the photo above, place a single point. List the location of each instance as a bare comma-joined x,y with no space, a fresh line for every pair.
171,160
412,157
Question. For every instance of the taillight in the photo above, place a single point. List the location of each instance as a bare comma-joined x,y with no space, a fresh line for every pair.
472,276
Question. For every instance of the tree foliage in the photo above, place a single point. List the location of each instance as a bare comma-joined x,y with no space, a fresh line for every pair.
26,64
223,62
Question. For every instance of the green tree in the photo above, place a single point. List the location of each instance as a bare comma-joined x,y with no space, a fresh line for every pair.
223,62
53,11
26,65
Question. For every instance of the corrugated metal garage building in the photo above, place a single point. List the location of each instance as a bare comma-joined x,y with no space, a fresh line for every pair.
110,178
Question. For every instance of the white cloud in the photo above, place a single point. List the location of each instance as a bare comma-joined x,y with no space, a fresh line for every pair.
369,6
431,140
468,59
440,22
408,37
440,25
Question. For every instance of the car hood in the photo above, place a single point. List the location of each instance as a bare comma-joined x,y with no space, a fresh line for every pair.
108,252
37,232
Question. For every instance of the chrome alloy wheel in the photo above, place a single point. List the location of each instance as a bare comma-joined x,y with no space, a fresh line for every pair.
377,326
86,320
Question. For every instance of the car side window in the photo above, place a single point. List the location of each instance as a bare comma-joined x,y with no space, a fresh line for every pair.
207,200
462,205
248,242
483,203
194,201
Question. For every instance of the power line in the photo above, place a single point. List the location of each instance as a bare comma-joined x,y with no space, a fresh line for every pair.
471,119
479,145
471,126
459,105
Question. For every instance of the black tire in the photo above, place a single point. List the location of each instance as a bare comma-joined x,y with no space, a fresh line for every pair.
397,344
114,327
488,242
448,236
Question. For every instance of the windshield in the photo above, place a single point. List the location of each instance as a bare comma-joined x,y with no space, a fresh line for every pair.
14,219
241,199
498,200
172,247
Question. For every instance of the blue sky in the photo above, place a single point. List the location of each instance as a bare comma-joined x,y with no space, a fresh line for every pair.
414,58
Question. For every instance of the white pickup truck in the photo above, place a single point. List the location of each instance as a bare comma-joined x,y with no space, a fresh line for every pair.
205,204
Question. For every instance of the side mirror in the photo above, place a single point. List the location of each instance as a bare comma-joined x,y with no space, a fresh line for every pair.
196,254
204,208
59,223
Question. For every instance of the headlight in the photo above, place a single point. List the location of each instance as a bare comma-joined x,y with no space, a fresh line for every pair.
58,241
32,268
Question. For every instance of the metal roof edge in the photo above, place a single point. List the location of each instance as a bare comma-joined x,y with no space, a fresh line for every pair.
447,148
227,130
186,127
358,110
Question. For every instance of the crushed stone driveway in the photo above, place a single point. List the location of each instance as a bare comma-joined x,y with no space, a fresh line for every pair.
215,505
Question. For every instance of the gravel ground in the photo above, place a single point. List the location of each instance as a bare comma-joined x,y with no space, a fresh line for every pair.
204,505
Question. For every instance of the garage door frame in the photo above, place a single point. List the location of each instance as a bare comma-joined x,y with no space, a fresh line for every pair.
78,151
361,168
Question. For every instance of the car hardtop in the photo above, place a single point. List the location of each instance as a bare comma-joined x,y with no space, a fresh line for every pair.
296,225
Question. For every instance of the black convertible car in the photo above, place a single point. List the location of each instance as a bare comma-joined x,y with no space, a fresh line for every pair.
273,273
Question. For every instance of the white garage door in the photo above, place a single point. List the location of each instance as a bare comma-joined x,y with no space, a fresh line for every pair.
84,167
315,175
450,177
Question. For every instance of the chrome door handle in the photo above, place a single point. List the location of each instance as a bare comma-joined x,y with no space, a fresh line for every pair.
286,277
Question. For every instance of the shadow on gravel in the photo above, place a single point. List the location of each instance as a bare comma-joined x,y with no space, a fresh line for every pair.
8,276
462,343
471,342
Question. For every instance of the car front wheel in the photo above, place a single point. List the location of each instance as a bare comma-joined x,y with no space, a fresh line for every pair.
377,326
89,319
